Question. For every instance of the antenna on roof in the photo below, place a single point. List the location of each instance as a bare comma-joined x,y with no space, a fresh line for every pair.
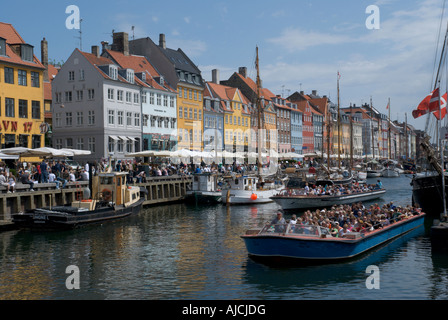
133,37
80,35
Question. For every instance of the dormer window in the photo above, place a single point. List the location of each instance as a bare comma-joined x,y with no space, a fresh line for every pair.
27,52
130,75
2,47
113,72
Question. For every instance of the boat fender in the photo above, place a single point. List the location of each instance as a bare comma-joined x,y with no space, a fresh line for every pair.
253,196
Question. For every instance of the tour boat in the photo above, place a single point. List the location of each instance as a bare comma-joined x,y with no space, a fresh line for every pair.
292,199
391,172
204,188
315,243
113,200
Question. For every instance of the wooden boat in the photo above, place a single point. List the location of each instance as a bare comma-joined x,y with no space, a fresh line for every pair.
113,200
204,188
292,199
390,172
308,242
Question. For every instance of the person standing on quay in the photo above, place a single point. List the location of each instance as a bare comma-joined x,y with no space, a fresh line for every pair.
44,171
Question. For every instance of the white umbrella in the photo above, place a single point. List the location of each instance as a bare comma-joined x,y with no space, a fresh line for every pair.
54,152
77,152
182,153
25,152
4,156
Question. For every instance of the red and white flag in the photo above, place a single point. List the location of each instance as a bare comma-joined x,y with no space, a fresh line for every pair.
434,103
441,114
423,108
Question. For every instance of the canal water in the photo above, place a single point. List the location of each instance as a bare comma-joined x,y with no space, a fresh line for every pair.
179,251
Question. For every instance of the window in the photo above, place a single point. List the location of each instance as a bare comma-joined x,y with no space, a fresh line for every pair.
144,98
120,145
26,52
79,95
159,99
58,121
58,97
68,119
137,119
110,94
36,139
2,47
180,112
111,116
120,117
171,102
35,79
151,97
71,75
111,145
80,143
128,97
81,74
79,118
22,77
120,95
91,144
23,108
69,143
165,101
68,96
35,109
9,75
58,143
129,118
91,117
136,98
9,107
180,92
91,94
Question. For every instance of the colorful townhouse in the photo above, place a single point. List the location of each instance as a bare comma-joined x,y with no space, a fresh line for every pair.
296,128
213,121
21,92
236,115
182,74
283,109
264,104
96,107
158,99
307,126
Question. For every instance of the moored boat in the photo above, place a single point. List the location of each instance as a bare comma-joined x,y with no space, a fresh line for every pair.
311,242
292,199
204,188
244,189
113,200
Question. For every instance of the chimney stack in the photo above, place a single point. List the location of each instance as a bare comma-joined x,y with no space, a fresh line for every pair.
44,57
314,92
121,43
215,76
96,51
243,71
162,41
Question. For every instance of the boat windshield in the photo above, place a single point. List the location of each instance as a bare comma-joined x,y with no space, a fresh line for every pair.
295,229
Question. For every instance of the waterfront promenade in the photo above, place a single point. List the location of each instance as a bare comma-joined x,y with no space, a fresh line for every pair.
160,189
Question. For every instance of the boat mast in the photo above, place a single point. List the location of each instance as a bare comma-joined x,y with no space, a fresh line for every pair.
388,133
371,130
351,139
329,118
339,128
259,112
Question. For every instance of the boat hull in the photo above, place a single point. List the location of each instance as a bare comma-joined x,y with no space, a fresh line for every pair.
373,174
203,196
308,202
390,173
52,219
246,196
427,193
279,247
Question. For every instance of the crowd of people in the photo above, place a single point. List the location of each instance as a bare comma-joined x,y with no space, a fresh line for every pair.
343,219
331,190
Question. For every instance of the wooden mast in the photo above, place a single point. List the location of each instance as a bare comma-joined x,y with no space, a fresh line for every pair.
259,113
388,135
339,128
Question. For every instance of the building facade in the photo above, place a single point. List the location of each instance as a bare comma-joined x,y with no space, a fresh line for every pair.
21,92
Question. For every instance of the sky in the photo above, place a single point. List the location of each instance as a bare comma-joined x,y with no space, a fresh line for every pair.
302,44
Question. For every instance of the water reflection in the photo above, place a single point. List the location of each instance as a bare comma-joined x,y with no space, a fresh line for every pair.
189,252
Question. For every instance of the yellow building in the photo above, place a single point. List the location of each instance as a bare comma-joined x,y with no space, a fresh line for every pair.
21,92
236,117
189,119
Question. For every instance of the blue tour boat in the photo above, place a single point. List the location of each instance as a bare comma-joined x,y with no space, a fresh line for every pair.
309,242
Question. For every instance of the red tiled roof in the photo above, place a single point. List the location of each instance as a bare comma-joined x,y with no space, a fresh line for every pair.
11,36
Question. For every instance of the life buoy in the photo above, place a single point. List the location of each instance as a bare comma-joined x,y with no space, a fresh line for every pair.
253,196
107,194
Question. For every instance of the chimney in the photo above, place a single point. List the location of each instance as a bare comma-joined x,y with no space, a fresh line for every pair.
215,76
105,45
121,42
96,51
243,71
314,92
302,93
44,57
162,41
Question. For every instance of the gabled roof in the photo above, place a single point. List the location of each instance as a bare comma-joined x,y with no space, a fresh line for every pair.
12,37
140,65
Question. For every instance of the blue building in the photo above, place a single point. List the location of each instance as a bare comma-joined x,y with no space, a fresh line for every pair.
296,129
213,122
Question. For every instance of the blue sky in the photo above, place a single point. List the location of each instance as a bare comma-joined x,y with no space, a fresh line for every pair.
302,44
